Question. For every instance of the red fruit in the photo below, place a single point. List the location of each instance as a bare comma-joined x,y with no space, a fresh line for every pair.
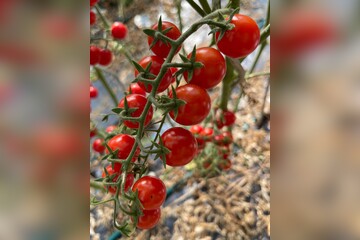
124,144
110,128
93,92
161,48
149,219
156,63
219,139
94,55
224,164
200,142
173,70
207,133
213,70
182,145
139,102
197,105
196,129
115,173
136,89
227,137
151,192
105,57
92,18
93,2
98,145
92,132
242,39
226,119
118,30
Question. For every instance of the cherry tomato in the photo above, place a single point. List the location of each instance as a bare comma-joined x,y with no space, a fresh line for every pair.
110,129
93,2
139,102
151,192
156,63
182,145
94,55
98,145
105,57
196,129
207,133
200,142
115,173
206,164
227,118
212,72
219,139
162,48
124,144
92,18
93,92
242,39
227,137
136,89
92,132
197,107
118,30
224,164
149,219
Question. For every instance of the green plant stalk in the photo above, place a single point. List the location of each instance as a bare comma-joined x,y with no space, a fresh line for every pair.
205,5
257,57
265,33
106,85
267,22
257,74
97,185
235,4
226,85
103,19
196,7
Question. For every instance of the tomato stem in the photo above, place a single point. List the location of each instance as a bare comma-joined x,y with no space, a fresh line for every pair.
102,79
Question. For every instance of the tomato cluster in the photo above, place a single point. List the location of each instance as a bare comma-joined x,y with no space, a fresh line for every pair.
187,103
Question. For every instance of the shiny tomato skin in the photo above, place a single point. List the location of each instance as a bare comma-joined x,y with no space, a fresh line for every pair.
118,30
182,145
200,143
124,144
139,102
93,2
156,63
110,128
213,71
197,107
151,192
105,57
93,92
207,133
162,48
92,132
149,219
242,39
173,70
196,129
92,18
98,145
117,172
94,55
136,89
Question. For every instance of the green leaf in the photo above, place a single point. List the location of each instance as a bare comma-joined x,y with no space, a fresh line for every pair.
117,110
150,32
184,58
138,67
160,24
147,69
193,54
166,30
105,118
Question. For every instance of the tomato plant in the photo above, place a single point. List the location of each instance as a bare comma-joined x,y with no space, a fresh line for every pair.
118,30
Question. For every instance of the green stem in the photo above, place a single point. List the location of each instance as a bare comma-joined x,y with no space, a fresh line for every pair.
265,33
226,86
205,5
97,185
196,7
106,85
257,57
178,6
235,4
103,19
268,14
216,4
258,74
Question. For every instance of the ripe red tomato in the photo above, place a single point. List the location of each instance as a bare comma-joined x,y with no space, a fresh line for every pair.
93,2
149,219
92,132
196,129
118,30
162,48
224,164
200,143
207,133
124,144
227,137
218,139
93,91
116,171
92,18
94,55
242,39
197,107
156,63
139,102
110,128
227,118
105,57
136,89
151,192
213,71
98,145
182,145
